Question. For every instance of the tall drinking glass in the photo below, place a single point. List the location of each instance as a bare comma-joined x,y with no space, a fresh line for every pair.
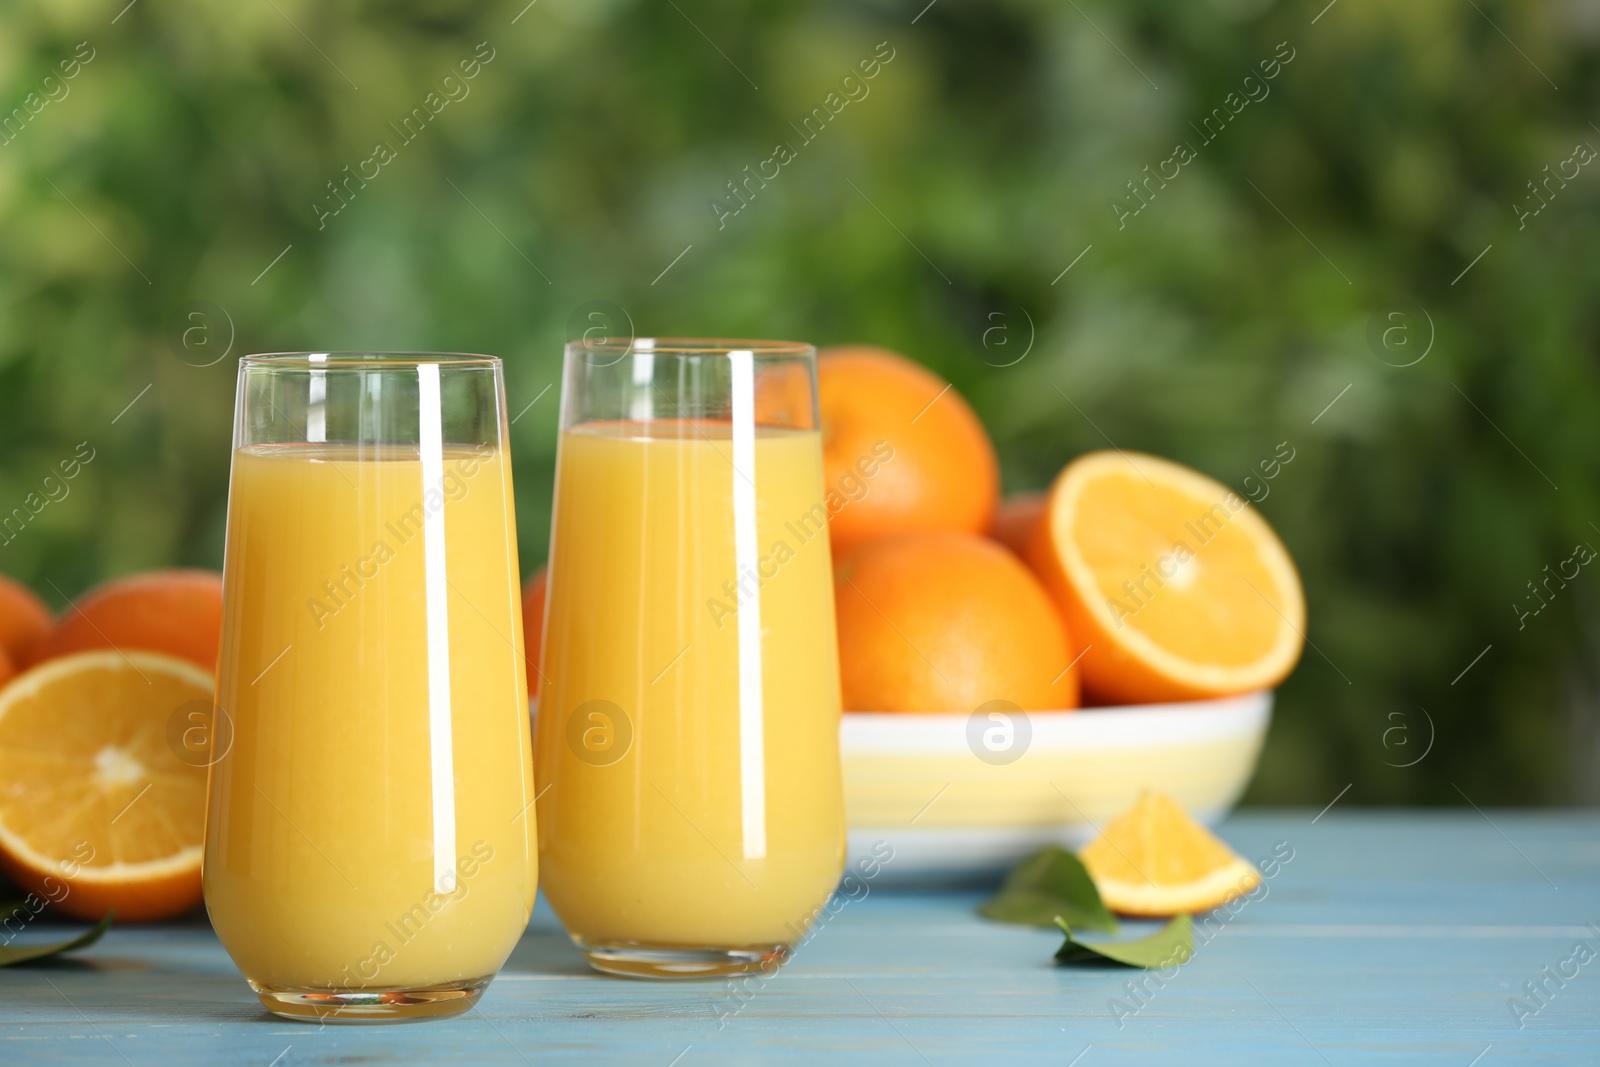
687,743
369,845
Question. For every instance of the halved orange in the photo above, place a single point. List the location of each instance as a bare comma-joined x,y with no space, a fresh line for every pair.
99,809
1154,860
1173,583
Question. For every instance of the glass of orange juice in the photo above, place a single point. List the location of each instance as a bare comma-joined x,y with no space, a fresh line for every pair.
691,822
370,847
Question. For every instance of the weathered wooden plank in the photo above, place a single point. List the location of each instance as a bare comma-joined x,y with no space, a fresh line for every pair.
1395,937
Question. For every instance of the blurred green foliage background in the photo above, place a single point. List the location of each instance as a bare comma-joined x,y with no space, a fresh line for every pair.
171,185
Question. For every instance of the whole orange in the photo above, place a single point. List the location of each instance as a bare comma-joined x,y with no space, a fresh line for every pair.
23,620
178,612
948,622
902,452
533,624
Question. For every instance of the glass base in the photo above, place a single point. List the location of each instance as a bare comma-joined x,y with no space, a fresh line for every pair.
371,1005
635,960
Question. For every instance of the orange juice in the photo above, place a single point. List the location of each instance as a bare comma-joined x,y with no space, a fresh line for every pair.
688,724
376,830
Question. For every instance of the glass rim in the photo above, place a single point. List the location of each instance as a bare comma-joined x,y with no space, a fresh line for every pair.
694,346
351,360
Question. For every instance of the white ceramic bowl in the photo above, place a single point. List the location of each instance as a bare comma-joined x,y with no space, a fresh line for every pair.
940,796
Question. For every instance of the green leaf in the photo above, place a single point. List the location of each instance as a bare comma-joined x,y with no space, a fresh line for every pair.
1168,946
1050,883
10,954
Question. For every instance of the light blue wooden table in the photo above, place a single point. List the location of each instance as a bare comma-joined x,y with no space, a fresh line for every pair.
1389,938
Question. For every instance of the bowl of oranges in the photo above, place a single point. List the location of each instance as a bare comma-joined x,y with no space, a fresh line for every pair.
1015,673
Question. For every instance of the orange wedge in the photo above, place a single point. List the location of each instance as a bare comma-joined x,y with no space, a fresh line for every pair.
97,809
1176,587
1154,860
